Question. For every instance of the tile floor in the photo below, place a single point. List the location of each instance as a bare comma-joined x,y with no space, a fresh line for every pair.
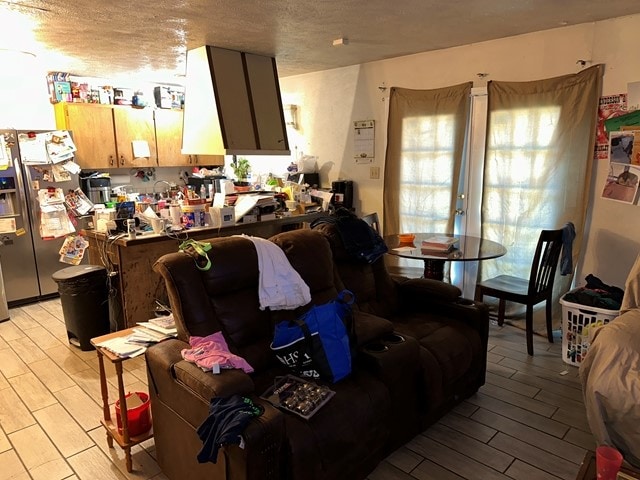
527,422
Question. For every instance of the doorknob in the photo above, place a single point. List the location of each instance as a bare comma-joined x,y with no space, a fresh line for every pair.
459,211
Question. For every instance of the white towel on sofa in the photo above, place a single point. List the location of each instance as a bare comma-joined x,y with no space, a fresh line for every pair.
280,287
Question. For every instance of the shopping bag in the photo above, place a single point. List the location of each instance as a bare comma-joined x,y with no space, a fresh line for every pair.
317,344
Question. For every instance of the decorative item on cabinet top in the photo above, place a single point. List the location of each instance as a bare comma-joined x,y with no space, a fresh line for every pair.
104,136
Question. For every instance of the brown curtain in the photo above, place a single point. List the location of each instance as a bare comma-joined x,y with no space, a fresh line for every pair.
414,119
538,163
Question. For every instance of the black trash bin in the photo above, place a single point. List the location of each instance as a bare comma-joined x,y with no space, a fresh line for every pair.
85,302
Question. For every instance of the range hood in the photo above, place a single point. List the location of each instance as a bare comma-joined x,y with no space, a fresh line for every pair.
232,104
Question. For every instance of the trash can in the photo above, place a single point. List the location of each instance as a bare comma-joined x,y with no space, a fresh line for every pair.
84,297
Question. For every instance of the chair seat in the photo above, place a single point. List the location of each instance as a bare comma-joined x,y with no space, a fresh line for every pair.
507,284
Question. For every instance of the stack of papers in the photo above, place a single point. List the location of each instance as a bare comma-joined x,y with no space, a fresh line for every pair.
122,348
439,243
145,334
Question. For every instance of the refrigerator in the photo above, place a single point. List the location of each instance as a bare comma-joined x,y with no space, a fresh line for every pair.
27,259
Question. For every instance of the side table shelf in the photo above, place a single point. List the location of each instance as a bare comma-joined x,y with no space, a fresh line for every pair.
124,440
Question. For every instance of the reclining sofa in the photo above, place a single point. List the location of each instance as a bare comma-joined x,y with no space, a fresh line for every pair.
419,350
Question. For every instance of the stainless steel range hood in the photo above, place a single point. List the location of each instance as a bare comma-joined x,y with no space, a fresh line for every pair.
232,104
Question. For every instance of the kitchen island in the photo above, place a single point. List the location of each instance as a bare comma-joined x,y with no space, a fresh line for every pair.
135,287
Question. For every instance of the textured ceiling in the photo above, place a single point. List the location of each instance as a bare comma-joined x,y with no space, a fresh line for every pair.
150,37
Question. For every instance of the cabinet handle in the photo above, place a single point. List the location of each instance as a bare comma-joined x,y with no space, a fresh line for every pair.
111,160
196,157
121,159
190,161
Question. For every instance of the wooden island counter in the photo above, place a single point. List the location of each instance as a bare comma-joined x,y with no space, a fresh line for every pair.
129,262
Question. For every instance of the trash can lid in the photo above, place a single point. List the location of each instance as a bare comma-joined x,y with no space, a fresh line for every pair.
77,271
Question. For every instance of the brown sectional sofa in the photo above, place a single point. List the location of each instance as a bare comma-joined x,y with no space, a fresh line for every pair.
394,391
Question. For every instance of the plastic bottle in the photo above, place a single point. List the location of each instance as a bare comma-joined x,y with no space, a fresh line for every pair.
176,214
131,228
203,192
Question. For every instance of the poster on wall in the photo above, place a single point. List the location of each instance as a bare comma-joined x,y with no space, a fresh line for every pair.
610,106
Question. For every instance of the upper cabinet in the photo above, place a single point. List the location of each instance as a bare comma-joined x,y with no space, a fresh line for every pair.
135,137
232,104
108,136
168,125
93,133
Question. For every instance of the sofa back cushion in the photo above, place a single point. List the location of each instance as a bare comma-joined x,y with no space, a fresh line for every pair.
225,297
310,255
372,285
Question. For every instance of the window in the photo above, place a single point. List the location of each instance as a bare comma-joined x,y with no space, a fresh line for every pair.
426,173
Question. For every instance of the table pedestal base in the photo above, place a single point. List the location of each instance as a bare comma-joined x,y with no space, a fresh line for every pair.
434,269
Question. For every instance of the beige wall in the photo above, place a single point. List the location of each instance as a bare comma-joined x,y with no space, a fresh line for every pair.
330,101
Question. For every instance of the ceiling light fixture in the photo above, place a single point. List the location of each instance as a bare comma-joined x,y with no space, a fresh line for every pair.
340,41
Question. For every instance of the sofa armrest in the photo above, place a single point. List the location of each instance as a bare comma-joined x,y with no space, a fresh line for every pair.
421,289
433,296
166,366
369,327
180,397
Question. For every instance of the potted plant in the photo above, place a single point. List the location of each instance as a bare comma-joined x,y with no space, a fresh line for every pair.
241,168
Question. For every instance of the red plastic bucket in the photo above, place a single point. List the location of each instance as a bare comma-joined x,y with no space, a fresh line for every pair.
139,417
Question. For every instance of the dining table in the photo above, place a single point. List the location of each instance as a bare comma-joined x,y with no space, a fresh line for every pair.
468,248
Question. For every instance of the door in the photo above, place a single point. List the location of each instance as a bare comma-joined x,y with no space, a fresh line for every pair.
47,252
468,211
135,137
16,252
93,133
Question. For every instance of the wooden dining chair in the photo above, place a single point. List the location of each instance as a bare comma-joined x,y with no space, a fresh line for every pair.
530,292
372,221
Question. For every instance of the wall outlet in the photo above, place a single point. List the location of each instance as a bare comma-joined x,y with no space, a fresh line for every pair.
374,173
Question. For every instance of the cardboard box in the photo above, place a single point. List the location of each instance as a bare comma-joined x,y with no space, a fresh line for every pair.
222,216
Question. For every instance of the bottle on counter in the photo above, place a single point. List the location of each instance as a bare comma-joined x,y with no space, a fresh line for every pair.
131,228
203,192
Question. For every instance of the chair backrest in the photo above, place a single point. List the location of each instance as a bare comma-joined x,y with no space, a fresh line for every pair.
545,262
373,221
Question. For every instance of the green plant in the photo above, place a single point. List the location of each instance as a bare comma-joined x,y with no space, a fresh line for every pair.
241,168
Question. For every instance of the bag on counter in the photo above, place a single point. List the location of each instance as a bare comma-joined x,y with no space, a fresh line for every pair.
317,345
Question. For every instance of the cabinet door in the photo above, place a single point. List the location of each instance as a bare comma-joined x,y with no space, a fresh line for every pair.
267,107
135,125
93,134
169,138
169,141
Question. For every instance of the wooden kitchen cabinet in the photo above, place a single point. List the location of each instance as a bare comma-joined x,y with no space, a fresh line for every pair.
134,125
93,132
168,124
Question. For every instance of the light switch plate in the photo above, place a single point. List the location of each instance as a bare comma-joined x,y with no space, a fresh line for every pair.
374,172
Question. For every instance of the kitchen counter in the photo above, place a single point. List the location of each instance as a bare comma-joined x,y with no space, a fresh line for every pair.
130,262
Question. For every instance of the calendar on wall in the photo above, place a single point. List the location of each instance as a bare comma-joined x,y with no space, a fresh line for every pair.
364,141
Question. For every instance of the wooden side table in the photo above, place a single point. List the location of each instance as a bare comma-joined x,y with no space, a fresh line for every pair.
124,440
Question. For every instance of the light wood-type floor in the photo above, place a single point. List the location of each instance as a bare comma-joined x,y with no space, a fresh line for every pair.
527,422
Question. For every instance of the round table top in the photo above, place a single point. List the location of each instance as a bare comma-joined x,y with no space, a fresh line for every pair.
468,248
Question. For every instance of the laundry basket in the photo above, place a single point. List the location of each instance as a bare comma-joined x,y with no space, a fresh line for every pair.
578,324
